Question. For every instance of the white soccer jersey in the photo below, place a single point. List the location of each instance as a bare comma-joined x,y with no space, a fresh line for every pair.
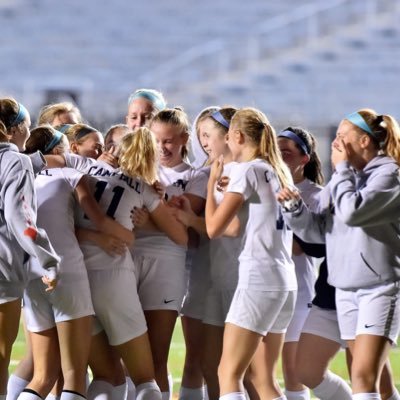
224,252
265,259
79,163
306,266
179,180
56,202
116,194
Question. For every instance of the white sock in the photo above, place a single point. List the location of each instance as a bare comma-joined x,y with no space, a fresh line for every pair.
71,395
119,392
333,387
100,390
298,395
29,394
191,394
205,392
15,386
131,390
280,398
165,395
367,396
148,391
233,396
52,396
395,395
170,385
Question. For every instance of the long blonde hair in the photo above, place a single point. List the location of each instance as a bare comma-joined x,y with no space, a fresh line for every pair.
385,132
138,155
255,125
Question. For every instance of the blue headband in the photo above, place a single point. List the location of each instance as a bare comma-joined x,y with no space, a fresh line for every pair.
54,142
64,127
22,114
220,118
153,96
357,120
297,139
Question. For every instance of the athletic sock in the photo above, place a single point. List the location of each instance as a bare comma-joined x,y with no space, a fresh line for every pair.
100,390
205,392
191,394
333,387
367,396
233,396
298,395
15,386
29,394
281,398
131,389
52,396
71,395
119,392
148,391
170,385
395,395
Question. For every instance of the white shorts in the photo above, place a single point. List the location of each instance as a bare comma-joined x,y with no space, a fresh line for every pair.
296,324
323,323
262,311
161,282
10,291
69,300
117,305
370,311
199,284
217,306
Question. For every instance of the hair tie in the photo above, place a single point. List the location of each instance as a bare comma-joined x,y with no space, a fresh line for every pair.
297,139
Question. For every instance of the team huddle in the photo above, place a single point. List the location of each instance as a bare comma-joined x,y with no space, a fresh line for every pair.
106,240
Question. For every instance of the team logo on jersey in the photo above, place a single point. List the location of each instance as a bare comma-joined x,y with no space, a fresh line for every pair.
180,183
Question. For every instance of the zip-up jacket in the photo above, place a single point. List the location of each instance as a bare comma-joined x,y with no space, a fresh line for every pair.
358,217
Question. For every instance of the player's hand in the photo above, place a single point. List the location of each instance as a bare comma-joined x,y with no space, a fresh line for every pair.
50,282
140,217
109,157
217,169
159,188
339,152
222,184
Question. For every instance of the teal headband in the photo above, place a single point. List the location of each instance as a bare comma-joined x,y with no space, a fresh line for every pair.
54,142
64,127
22,114
153,96
357,120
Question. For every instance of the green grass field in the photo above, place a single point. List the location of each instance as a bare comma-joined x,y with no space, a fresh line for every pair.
177,355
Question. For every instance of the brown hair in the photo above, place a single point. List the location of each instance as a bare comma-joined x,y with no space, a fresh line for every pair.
8,112
40,139
3,133
385,132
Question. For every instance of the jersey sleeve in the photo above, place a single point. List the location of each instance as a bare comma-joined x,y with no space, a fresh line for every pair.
38,162
20,215
151,198
241,181
78,162
198,184
72,176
